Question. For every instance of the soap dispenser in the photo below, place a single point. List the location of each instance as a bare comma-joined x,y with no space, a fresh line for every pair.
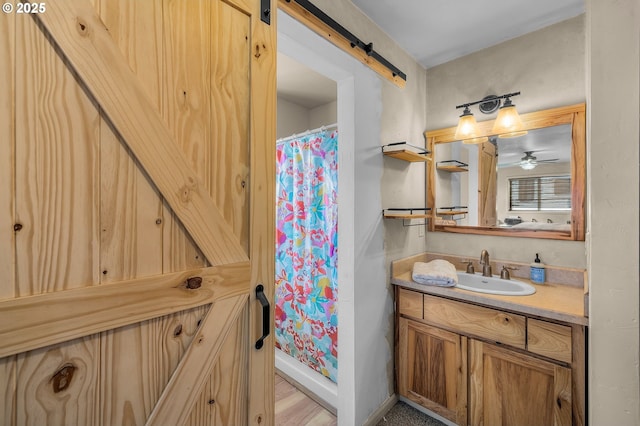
537,271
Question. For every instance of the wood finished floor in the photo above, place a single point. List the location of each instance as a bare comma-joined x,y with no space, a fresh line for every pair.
294,408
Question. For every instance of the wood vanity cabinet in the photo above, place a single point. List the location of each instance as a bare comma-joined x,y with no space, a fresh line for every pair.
510,388
482,366
433,369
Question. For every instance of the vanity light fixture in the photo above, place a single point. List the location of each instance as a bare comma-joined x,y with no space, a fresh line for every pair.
507,125
467,129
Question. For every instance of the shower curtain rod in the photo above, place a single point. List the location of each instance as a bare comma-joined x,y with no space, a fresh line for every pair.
308,132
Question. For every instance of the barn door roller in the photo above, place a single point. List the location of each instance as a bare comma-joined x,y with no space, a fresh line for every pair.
265,11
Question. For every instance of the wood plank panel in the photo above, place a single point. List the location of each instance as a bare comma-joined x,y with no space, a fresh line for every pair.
99,63
181,394
130,206
56,155
230,59
60,316
488,186
186,108
263,41
137,362
46,396
8,390
293,407
7,149
223,401
179,251
186,84
578,175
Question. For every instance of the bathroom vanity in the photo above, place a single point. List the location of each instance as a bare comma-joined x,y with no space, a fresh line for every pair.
478,358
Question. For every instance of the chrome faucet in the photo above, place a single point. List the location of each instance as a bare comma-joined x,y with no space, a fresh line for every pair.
484,261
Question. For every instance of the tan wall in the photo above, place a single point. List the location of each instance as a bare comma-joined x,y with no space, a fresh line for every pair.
294,118
548,67
323,115
403,119
612,172
291,118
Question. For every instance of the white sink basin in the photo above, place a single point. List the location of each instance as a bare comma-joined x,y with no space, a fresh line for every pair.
493,285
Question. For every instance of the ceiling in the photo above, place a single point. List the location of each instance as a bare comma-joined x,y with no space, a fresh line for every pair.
437,31
549,143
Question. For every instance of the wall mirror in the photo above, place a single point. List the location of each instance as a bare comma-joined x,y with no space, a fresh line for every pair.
530,186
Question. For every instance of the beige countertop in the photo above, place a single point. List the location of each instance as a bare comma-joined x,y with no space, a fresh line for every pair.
552,301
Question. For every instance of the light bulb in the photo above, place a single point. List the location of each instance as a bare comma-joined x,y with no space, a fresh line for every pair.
508,124
467,129
528,165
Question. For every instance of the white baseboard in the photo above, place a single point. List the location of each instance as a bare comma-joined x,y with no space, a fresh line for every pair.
310,382
377,415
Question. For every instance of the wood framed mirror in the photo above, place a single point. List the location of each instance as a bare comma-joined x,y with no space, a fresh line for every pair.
531,186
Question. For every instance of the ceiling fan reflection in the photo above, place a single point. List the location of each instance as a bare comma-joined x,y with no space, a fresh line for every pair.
529,161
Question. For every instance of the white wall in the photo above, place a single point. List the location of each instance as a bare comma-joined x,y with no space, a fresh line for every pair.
383,113
548,67
363,307
402,184
612,179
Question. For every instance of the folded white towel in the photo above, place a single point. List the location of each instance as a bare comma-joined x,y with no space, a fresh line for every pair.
438,272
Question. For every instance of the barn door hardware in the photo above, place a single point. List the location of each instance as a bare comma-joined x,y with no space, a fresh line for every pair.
266,319
265,11
337,29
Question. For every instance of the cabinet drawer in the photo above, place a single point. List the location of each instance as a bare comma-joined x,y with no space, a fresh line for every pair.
474,320
410,303
548,339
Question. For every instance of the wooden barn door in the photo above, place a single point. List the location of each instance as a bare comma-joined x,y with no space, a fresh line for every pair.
136,213
487,184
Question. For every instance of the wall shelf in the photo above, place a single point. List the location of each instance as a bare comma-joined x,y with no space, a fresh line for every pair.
452,211
407,214
406,152
452,166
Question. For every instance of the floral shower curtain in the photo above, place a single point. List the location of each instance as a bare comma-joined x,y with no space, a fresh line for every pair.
306,316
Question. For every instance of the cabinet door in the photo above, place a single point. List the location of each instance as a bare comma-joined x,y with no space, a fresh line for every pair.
433,369
509,388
